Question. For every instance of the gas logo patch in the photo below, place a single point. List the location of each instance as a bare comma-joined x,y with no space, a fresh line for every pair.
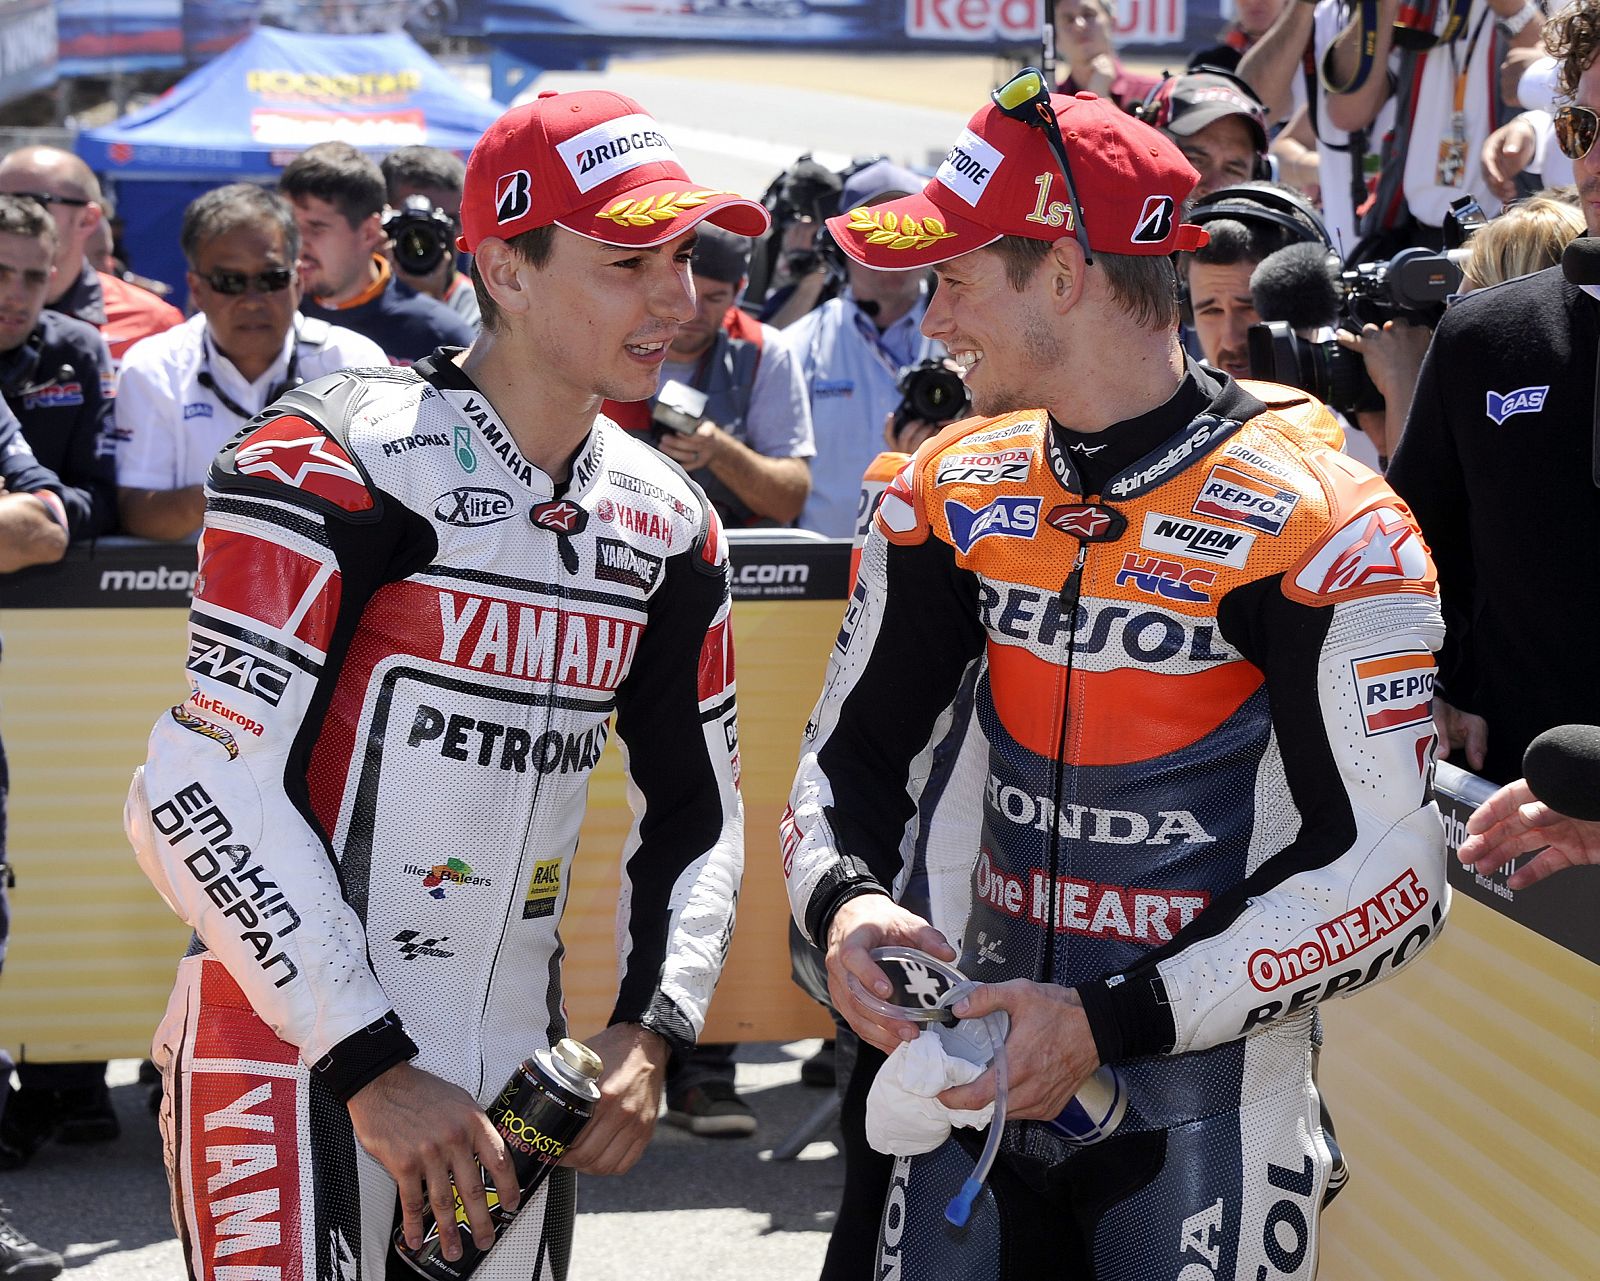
1004,518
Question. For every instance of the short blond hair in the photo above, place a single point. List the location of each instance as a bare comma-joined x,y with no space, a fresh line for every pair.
1529,236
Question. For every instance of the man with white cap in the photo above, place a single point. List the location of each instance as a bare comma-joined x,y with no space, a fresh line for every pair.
1203,643
423,595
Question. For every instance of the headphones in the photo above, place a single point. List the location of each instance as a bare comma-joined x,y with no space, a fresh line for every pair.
1156,109
1262,203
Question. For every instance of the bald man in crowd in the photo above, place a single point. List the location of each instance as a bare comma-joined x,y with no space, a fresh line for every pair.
67,187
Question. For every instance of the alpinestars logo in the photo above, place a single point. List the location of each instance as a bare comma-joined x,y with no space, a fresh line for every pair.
292,450
413,945
513,196
1155,221
561,517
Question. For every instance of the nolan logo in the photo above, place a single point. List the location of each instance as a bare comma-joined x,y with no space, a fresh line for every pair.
513,196
1525,400
1180,536
471,507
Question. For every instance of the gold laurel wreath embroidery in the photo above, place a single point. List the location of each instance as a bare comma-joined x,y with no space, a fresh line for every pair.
894,232
652,209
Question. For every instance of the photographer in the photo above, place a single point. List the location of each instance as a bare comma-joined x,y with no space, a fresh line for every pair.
853,351
1507,395
789,275
424,218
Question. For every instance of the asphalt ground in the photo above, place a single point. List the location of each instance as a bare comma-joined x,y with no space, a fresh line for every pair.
696,1209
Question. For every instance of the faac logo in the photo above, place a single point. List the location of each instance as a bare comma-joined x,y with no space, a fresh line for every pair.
507,747
1376,547
1088,522
617,562
241,669
1001,467
471,507
1233,495
1525,400
1156,577
1341,938
292,450
559,517
1003,518
1180,536
1395,691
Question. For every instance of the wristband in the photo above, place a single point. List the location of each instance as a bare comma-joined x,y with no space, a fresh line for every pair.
1520,19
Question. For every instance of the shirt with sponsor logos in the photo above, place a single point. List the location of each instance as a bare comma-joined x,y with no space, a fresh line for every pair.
1206,699
1497,461
171,421
853,372
60,384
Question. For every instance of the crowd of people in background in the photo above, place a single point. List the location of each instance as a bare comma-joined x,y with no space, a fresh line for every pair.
1316,138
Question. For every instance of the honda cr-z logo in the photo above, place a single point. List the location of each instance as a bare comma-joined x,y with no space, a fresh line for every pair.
513,196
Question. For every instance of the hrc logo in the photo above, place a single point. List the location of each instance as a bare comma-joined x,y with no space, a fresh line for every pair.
1157,577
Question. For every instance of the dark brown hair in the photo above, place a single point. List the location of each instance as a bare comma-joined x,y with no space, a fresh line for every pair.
533,247
1572,38
1143,285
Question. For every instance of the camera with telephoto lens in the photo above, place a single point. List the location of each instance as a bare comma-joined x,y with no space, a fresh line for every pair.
679,408
422,234
932,391
1415,285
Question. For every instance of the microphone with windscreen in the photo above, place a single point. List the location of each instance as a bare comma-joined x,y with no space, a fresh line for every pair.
1298,285
1580,264
1562,767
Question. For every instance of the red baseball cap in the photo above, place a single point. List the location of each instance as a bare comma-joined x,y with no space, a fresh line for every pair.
595,163
1000,179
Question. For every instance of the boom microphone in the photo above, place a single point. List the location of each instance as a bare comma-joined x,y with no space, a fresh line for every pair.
1580,261
1562,767
1298,285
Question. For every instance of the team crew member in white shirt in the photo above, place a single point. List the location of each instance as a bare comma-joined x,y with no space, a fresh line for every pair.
188,390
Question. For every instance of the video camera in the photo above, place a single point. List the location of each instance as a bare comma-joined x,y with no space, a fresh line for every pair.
1414,285
422,234
932,391
806,190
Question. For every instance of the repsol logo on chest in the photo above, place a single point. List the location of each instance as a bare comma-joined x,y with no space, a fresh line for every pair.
507,747
1034,617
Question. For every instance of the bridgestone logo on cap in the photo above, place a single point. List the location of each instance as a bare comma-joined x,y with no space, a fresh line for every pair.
972,162
615,146
513,196
1155,221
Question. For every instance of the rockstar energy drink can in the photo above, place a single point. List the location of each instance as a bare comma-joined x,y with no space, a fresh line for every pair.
544,1105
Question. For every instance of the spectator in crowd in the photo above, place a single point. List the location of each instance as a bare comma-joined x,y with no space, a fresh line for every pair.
1522,155
1446,100
436,175
1528,237
33,531
55,373
338,197
1218,123
64,185
1251,20
791,274
1507,392
1314,154
853,350
1088,58
185,392
751,452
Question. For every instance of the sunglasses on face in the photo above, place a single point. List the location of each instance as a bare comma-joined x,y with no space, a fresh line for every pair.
45,198
1576,131
234,283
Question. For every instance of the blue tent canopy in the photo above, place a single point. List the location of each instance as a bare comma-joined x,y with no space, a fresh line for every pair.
249,112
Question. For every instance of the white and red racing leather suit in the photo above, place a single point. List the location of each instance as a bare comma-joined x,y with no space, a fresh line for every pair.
405,651
1206,699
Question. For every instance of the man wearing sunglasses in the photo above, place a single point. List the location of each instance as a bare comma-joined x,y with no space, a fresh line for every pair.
1504,414
67,187
1202,644
186,391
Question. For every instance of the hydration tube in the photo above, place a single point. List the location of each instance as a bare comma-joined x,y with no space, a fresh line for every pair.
995,1026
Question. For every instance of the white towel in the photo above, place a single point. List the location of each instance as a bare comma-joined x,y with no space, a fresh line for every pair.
904,1116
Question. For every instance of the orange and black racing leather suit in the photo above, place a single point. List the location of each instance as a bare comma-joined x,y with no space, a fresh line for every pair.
1206,697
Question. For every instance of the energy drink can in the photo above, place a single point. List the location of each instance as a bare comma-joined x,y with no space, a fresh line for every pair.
544,1106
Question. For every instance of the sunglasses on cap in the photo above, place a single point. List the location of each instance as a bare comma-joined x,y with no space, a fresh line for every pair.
234,283
1576,131
1026,97
45,198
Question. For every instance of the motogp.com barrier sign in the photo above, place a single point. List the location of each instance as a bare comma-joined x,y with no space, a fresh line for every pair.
861,25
